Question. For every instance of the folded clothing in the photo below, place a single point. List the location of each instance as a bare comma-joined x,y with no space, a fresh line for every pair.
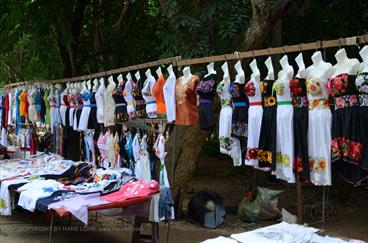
135,189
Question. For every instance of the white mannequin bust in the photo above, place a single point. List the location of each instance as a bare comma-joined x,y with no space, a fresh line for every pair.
102,82
319,69
364,54
158,72
95,85
89,87
270,70
210,69
67,87
345,64
120,79
187,73
137,75
129,76
287,71
255,71
301,66
111,80
225,69
148,74
170,70
84,86
240,76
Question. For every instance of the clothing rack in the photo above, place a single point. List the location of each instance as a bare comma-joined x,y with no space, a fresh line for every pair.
178,62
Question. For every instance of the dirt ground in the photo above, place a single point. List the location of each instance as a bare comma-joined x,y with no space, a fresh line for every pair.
348,219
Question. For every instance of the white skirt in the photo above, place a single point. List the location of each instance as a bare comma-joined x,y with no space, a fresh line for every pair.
319,146
63,114
32,113
284,144
71,117
255,114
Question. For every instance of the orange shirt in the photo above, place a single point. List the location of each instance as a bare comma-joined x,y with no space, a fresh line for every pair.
158,94
23,108
186,101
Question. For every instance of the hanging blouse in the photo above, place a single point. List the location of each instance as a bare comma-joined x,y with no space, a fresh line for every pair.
6,111
63,106
142,168
240,112
47,106
158,93
169,95
72,102
83,122
99,96
186,101
109,105
140,107
33,116
92,119
129,98
23,109
121,114
151,107
206,90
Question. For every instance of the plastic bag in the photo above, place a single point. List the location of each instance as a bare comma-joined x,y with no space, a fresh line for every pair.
264,207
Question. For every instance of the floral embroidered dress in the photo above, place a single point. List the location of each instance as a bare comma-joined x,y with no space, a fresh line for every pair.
140,107
361,83
129,98
267,141
109,105
151,106
228,144
346,145
240,112
255,114
298,90
319,132
121,113
206,89
284,132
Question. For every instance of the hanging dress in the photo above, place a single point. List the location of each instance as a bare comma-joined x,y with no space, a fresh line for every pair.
92,118
47,106
63,107
66,106
83,122
51,100
129,99
240,112
41,92
255,113
284,132
206,89
77,111
319,132
346,144
32,113
72,102
142,169
99,96
57,115
109,105
267,140
228,144
298,90
39,103
140,107
23,109
186,101
151,106
158,93
169,95
121,113
361,83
